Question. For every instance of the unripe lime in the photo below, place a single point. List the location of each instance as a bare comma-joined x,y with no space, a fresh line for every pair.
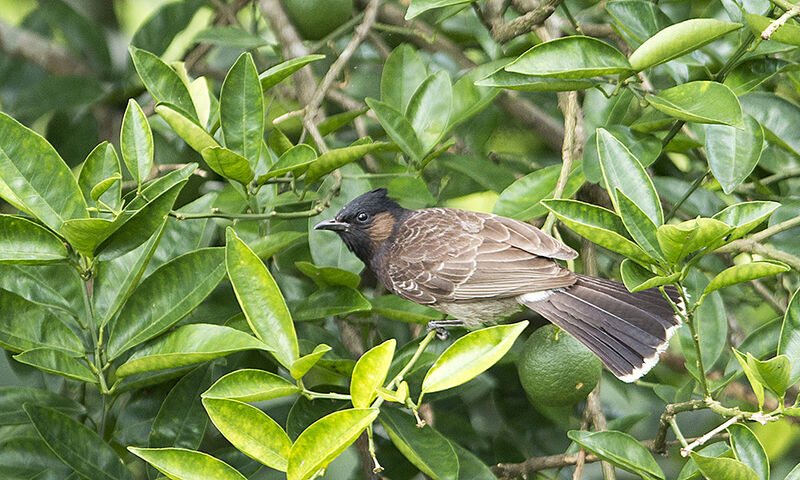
316,18
557,371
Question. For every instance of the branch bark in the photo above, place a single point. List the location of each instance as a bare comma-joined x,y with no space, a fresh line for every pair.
21,43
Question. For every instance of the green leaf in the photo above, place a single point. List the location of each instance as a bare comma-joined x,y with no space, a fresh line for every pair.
273,243
157,32
166,296
334,122
598,225
101,165
398,128
27,325
23,242
295,160
424,447
182,464
273,75
417,7
330,301
744,273
136,142
77,445
34,178
370,373
470,356
571,57
723,468
189,344
789,340
501,78
520,200
181,421
57,362
690,471
469,98
261,300
241,109
402,310
470,467
752,377
403,72
104,185
302,365
732,152
645,147
187,128
637,20
229,164
429,109
679,39
13,398
778,117
26,458
620,449
328,276
677,241
788,33
637,278
753,72
251,431
701,102
773,373
57,286
748,450
639,225
86,234
161,81
339,157
325,439
623,171
745,216
250,385
230,36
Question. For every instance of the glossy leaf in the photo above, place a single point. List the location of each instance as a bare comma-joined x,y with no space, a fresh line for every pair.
86,234
156,33
302,365
679,39
619,449
745,216
181,421
57,286
571,57
424,447
325,439
469,98
268,246
295,160
752,377
328,276
328,162
501,78
789,341
645,147
753,72
621,170
403,72
733,152
723,468
788,33
182,464
229,164
23,242
701,102
261,300
26,326
748,450
637,20
241,109
637,278
794,474
77,445
639,225
402,310
398,128
330,301
34,178
417,7
777,115
136,142
57,362
520,200
189,344
251,431
470,466
470,356
104,185
598,225
712,327
250,385
101,165
273,75
429,109
679,240
187,128
773,373
31,458
161,81
12,399
744,273
370,373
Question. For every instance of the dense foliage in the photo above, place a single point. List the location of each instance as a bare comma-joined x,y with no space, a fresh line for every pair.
165,305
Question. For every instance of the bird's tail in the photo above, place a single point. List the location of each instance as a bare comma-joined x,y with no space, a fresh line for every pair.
627,331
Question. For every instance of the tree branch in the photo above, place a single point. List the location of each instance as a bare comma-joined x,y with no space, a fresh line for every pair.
17,42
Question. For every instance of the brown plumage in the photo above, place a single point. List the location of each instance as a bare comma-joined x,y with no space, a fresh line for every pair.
483,268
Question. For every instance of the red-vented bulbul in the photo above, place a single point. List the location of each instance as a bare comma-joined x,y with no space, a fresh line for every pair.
483,268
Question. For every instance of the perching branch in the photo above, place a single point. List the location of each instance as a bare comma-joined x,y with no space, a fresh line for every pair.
21,43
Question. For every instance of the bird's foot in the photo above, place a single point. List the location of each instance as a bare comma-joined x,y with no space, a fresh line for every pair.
440,327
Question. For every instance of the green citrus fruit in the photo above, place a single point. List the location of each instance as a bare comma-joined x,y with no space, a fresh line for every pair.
557,370
316,18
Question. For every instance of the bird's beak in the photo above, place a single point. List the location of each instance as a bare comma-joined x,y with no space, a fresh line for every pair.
332,225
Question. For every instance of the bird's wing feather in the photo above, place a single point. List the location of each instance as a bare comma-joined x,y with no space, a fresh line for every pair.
455,255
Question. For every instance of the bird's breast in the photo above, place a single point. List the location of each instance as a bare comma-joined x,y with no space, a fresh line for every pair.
480,312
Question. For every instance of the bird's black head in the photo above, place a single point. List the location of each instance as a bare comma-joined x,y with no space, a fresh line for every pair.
365,223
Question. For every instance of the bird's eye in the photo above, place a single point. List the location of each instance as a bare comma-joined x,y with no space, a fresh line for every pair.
362,217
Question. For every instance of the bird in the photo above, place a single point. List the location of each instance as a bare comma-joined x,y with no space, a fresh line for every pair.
483,268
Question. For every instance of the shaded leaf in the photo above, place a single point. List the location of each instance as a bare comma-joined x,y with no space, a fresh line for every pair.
520,200
330,301
403,72
723,468
241,109
13,398
424,447
789,340
398,128
402,310
637,278
23,242
181,420
273,75
732,152
26,326
100,165
429,109
571,57
619,449
229,164
161,81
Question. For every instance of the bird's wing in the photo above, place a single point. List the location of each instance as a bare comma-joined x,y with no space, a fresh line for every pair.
455,255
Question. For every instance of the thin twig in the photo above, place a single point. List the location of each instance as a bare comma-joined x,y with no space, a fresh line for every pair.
600,424
779,22
525,23
685,451
751,246
568,102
